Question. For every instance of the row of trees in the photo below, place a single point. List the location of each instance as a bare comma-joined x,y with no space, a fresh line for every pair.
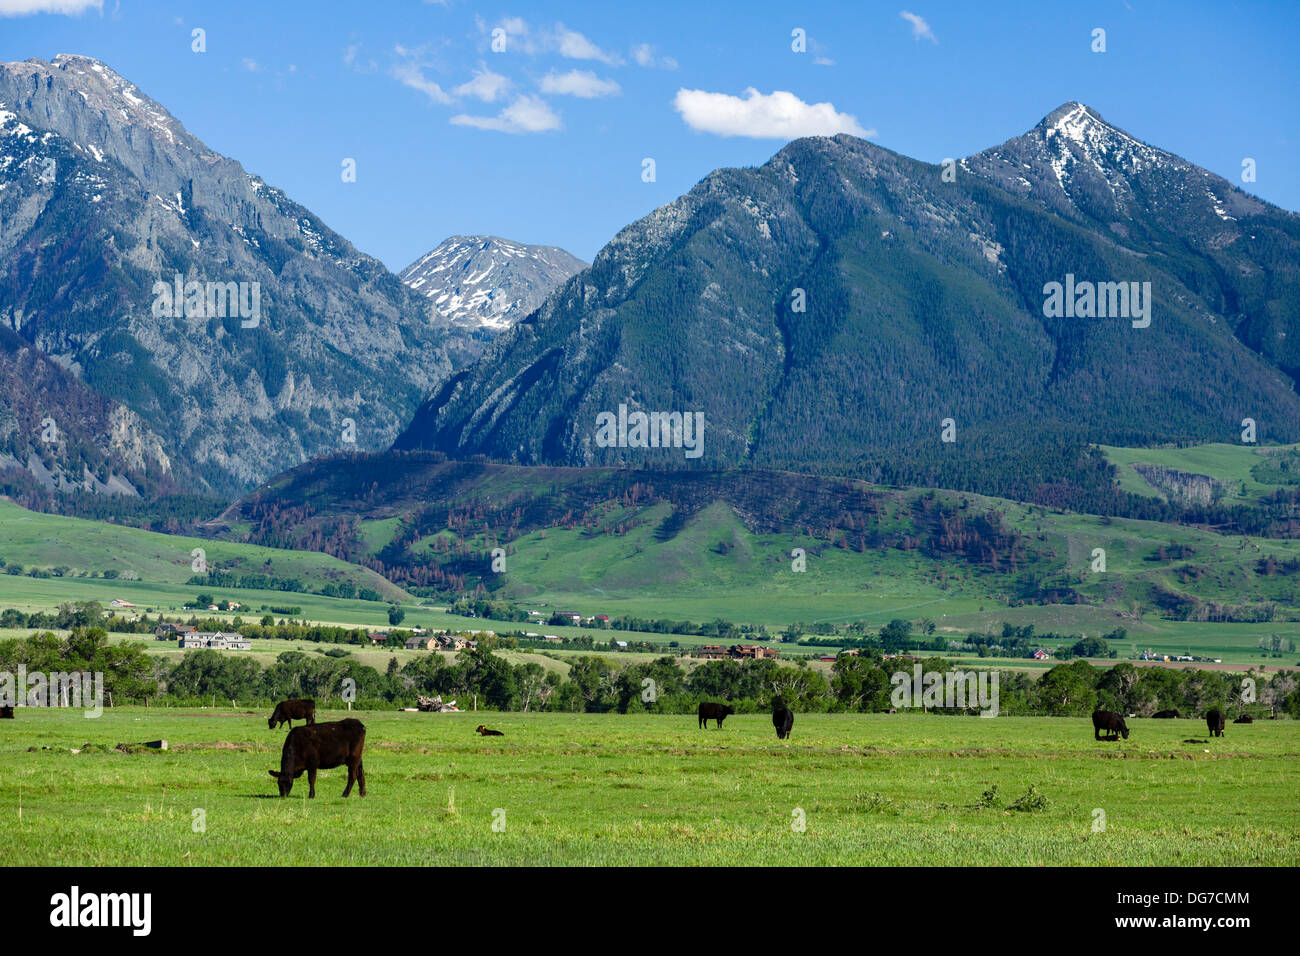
482,678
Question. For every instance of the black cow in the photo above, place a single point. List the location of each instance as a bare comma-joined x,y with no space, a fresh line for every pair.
718,712
483,731
782,718
292,710
1244,719
315,747
1108,720
1165,714
6,713
1215,721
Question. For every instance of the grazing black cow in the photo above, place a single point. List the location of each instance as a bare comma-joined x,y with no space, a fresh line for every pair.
483,731
782,718
718,712
1108,720
1244,719
6,713
315,747
1165,714
292,710
1215,721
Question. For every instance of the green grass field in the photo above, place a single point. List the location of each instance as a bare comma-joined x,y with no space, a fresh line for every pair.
608,789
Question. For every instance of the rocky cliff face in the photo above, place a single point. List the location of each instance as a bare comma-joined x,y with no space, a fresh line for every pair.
1182,487
284,341
65,437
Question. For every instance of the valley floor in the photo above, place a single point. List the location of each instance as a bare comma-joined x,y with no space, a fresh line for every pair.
567,789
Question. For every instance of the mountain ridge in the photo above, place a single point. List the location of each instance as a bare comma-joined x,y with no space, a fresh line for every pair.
927,293
109,198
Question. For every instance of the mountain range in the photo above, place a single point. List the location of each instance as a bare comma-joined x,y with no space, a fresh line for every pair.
843,308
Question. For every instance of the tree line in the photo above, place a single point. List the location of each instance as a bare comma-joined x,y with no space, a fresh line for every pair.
482,679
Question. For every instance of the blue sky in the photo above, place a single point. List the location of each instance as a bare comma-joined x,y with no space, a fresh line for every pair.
544,142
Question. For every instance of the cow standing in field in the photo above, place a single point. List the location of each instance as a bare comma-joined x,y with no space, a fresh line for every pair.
292,710
1215,721
6,713
716,712
782,718
1165,714
1110,721
315,747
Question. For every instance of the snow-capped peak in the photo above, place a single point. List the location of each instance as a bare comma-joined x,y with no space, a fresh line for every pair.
488,282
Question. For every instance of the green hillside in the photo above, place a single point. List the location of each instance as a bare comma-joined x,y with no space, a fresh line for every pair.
77,548
706,546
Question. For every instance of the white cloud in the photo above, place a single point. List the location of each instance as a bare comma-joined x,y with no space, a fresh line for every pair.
409,74
581,83
486,85
575,46
251,65
778,115
71,8
920,29
644,55
823,61
527,114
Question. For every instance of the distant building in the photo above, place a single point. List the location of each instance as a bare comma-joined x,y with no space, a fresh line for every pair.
118,602
1042,655
215,640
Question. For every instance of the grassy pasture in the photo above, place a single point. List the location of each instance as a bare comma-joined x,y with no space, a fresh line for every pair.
610,789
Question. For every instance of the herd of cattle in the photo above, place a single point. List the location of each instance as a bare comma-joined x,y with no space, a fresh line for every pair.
312,746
